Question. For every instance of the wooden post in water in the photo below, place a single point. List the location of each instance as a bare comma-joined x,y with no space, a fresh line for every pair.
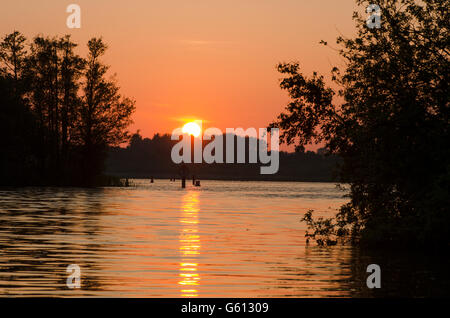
183,173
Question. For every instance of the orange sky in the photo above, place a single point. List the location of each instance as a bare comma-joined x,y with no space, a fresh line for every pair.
204,59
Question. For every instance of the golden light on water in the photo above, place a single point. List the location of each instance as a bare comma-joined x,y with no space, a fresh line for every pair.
189,246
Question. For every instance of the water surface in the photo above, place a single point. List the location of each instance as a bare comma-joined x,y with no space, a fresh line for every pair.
224,239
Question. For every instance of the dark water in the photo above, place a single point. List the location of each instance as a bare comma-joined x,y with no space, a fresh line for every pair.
225,239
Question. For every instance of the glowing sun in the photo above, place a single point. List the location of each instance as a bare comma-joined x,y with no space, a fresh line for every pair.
192,129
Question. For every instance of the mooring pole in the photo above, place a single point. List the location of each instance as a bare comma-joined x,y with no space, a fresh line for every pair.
183,170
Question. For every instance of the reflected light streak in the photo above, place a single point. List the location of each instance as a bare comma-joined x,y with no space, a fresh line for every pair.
190,245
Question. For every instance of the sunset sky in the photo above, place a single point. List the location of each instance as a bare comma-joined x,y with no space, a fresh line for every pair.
208,60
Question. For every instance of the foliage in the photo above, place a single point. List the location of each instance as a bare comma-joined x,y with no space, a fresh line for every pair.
60,111
391,128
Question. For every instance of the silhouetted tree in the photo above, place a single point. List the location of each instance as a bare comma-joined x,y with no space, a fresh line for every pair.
105,114
12,55
58,110
72,67
52,74
391,130
17,129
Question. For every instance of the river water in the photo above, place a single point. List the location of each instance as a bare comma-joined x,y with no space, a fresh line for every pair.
223,239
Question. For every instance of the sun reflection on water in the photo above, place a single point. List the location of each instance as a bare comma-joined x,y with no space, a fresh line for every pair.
189,245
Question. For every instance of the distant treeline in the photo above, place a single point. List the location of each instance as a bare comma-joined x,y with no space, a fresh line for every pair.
147,157
59,112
